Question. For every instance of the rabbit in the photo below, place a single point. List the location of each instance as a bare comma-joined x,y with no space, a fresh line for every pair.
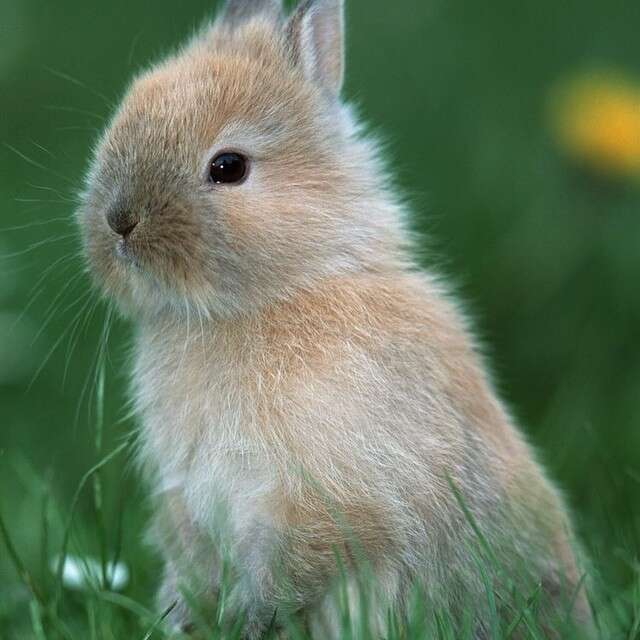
310,402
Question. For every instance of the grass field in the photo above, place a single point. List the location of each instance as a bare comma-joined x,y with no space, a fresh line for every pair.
541,241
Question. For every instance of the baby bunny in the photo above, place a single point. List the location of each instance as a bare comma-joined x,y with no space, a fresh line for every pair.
310,403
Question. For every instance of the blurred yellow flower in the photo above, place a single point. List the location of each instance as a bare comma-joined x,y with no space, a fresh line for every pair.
597,121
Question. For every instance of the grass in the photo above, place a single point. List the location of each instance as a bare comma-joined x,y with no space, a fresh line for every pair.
544,253
43,606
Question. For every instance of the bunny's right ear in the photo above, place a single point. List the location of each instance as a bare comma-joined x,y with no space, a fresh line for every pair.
315,33
236,11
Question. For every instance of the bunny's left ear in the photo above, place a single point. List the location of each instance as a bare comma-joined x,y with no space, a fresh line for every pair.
237,11
315,33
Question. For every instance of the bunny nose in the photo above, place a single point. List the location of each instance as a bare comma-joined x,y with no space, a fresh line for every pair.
122,221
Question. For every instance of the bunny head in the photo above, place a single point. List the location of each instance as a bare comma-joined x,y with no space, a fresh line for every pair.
233,174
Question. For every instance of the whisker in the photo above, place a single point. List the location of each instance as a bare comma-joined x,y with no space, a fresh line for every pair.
37,245
113,312
37,223
76,332
28,210
49,313
37,164
32,297
134,44
82,85
104,340
130,414
32,200
60,194
43,149
54,347
83,112
85,386
98,359
53,265
79,128
84,326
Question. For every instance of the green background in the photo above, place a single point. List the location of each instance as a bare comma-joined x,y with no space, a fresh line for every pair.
545,255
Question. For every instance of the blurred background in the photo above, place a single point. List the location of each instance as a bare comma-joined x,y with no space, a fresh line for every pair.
515,129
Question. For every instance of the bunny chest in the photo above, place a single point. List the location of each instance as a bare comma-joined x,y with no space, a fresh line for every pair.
200,435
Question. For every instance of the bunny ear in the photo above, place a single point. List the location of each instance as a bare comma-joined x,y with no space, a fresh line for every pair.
315,33
236,11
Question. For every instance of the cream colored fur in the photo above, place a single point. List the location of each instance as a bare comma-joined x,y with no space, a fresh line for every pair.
304,392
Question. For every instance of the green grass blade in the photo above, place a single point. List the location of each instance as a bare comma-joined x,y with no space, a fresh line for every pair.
74,503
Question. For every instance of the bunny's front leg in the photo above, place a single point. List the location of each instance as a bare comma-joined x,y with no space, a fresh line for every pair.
191,565
172,605
259,594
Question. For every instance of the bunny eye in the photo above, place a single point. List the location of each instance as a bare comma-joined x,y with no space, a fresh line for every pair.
228,168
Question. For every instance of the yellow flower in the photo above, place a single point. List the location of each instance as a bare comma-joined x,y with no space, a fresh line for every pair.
597,121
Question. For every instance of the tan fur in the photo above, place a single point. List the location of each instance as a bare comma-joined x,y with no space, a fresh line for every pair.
303,391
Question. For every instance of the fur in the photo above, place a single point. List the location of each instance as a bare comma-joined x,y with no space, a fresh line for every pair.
304,391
